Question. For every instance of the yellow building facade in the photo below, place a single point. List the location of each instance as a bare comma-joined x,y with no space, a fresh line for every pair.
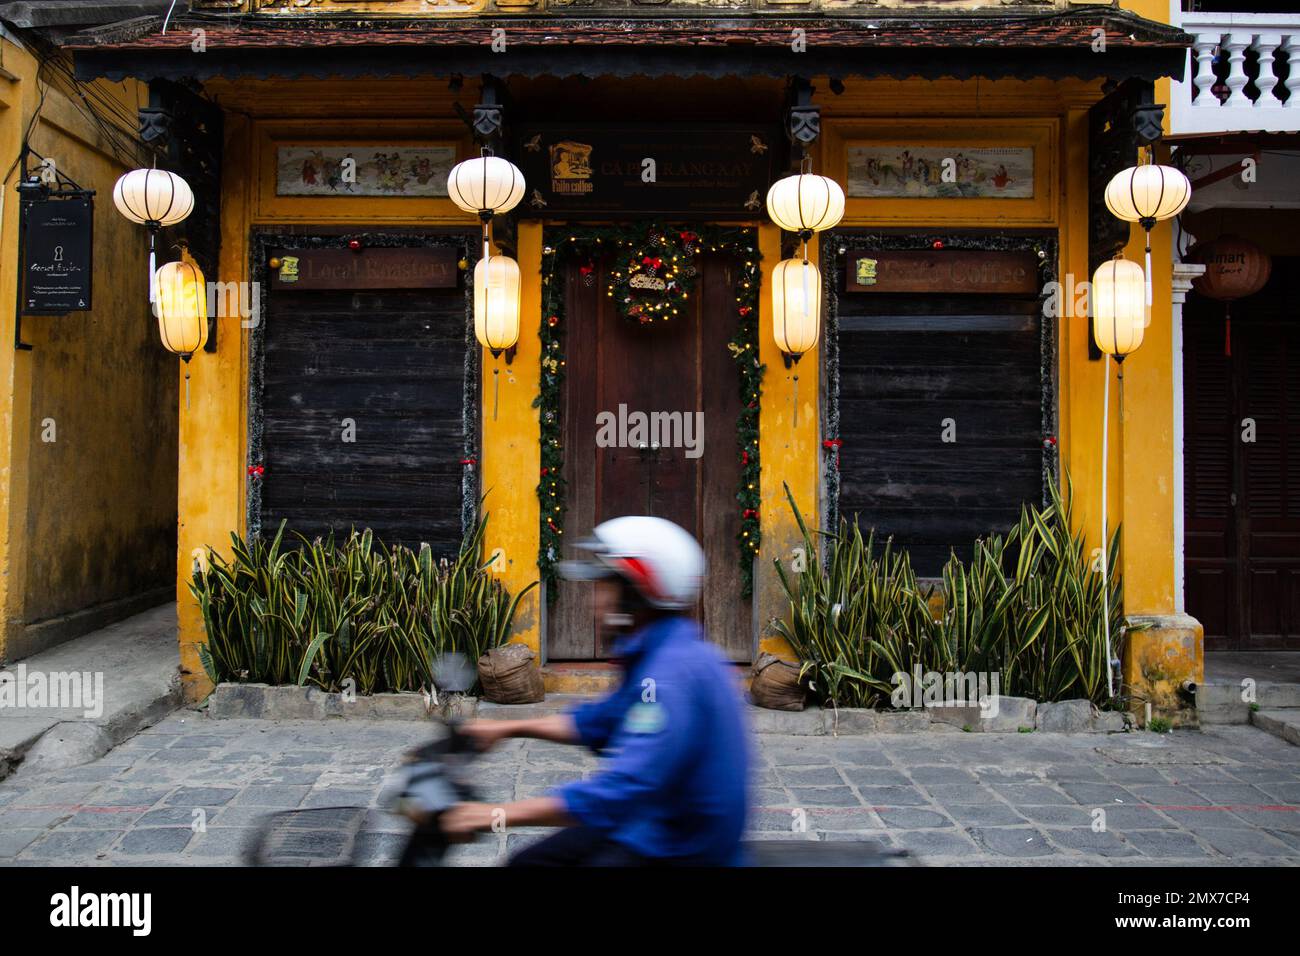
1028,114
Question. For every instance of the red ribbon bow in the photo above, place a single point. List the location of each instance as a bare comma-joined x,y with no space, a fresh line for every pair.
749,513
652,263
586,270
834,443
469,461
688,236
256,471
745,310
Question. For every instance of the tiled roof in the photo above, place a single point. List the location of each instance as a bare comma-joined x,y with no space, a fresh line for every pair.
1076,31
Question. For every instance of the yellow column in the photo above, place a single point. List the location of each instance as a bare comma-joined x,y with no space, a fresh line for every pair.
510,456
212,466
788,452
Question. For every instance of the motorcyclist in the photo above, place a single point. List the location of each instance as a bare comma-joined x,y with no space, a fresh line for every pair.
672,788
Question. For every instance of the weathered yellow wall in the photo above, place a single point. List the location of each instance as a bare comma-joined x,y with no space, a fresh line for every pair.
1052,116
86,520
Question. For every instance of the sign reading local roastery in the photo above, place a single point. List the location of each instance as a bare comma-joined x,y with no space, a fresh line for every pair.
596,171
58,252
431,267
942,271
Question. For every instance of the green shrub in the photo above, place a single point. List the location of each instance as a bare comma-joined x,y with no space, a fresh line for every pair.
1027,607
323,612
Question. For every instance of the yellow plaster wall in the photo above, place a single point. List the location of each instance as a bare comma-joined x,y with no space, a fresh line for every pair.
86,520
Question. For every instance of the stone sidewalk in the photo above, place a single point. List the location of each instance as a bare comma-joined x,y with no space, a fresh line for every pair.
1228,796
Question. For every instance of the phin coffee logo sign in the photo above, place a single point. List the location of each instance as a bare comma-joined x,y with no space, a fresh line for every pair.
571,169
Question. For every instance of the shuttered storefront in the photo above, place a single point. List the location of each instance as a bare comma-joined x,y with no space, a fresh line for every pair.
944,401
363,411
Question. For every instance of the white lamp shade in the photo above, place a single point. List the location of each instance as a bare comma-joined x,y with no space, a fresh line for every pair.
486,184
796,305
181,306
1147,193
805,203
496,302
153,196
1119,306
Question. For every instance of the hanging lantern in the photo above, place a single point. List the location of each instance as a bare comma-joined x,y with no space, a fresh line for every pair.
796,313
796,299
153,198
1147,194
496,303
182,308
496,311
1119,307
486,185
805,204
1234,269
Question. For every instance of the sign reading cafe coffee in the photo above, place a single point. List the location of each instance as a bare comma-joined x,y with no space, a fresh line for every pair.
719,171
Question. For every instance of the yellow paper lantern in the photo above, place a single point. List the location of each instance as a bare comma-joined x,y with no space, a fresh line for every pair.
805,203
1119,307
496,303
796,306
181,306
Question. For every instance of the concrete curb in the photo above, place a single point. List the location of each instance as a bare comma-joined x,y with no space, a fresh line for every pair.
124,724
263,701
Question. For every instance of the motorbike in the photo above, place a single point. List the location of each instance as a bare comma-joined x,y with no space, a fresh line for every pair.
436,777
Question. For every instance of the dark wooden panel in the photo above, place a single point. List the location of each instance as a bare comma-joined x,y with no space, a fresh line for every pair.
1242,498
902,373
363,396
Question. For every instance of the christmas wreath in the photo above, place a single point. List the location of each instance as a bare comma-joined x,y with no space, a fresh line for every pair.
654,278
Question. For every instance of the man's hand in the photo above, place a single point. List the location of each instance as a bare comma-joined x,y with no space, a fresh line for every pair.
462,821
487,733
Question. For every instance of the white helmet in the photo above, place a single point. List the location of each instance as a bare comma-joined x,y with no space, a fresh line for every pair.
658,558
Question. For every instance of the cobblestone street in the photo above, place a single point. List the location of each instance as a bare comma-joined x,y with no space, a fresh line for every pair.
1230,795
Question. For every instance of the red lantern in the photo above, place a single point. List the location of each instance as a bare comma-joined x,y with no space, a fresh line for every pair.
1234,269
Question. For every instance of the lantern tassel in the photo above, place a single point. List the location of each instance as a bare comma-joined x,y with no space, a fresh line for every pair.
496,391
187,386
1148,268
153,269
796,401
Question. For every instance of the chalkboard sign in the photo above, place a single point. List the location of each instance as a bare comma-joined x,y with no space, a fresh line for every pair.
57,255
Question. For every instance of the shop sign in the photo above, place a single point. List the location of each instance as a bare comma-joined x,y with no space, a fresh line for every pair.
379,268
943,271
722,172
58,254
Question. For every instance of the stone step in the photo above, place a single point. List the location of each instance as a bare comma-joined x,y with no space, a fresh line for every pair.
1279,723
1220,702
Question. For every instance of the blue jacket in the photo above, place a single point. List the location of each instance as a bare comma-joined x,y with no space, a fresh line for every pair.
676,783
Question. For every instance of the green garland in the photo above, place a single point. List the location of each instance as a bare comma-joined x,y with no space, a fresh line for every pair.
634,243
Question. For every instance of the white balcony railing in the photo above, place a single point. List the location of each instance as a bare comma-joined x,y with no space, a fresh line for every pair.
1232,81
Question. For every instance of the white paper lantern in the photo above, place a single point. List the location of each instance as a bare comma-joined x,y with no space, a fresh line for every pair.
1147,194
496,303
1119,307
796,306
486,185
153,197
805,203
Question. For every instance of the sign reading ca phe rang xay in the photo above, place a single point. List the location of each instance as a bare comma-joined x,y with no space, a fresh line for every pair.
598,171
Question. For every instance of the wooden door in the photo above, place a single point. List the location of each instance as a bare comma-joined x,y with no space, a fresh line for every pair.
1241,463
682,367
